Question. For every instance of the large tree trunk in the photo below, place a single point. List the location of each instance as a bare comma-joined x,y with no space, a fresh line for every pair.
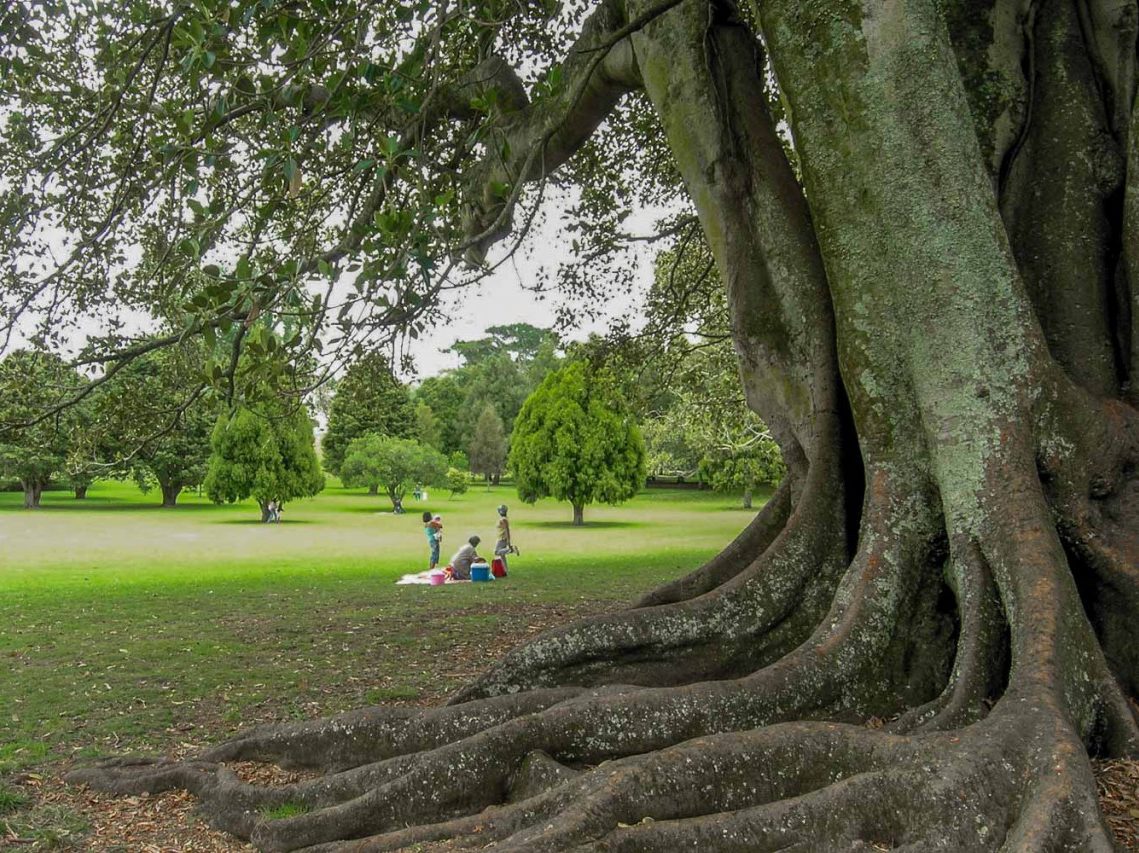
934,327
80,493
578,515
33,490
170,494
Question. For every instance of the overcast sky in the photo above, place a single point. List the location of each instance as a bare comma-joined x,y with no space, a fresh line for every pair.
504,296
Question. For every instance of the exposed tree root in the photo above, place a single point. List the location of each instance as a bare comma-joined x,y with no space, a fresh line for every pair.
737,556
723,764
756,615
427,770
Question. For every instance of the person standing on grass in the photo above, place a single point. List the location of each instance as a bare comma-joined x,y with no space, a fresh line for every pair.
432,533
504,545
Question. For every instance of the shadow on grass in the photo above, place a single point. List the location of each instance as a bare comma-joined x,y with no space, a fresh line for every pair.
102,505
589,525
381,509
252,521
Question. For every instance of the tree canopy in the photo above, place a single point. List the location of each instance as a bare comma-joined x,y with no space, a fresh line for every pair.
575,440
267,455
369,399
923,216
395,464
161,417
35,438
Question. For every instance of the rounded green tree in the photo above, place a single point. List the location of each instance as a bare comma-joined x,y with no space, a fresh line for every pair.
396,464
575,440
267,456
36,440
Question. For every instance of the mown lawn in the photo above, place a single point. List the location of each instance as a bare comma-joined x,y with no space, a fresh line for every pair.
125,627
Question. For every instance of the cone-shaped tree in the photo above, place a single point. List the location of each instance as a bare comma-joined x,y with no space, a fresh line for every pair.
576,441
266,454
932,277
488,445
369,399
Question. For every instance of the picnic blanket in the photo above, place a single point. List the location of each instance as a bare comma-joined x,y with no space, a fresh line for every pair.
424,577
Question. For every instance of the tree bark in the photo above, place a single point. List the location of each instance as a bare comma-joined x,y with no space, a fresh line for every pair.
578,515
747,499
32,493
80,493
373,489
170,494
955,547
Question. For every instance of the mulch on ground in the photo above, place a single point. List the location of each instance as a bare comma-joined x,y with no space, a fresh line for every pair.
80,819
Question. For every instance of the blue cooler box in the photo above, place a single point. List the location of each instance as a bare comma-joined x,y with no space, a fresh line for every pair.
480,572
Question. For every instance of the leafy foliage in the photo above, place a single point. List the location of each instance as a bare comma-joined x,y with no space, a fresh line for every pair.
488,445
681,375
427,429
267,455
216,162
395,464
161,416
444,395
35,441
576,440
369,399
457,481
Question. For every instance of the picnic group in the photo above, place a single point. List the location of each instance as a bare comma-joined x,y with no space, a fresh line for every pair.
466,564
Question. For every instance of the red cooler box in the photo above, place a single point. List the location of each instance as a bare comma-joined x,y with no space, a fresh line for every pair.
498,567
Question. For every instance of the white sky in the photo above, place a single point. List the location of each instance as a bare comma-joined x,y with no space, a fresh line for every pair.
504,298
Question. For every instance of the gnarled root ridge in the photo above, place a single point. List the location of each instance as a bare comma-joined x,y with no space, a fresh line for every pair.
992,716
748,606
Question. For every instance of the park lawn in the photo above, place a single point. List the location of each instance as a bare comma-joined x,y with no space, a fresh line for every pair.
125,627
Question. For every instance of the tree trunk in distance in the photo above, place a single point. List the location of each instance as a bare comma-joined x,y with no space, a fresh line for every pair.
170,494
578,515
32,493
747,498
80,493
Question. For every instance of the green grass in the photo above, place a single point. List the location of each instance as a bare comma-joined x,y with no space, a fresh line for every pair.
10,800
286,810
127,627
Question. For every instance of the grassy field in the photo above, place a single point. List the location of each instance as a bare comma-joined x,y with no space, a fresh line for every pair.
128,627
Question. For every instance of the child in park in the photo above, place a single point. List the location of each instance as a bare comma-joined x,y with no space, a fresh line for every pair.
504,545
434,538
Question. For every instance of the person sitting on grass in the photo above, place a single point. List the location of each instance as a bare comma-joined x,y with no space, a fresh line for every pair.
461,562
